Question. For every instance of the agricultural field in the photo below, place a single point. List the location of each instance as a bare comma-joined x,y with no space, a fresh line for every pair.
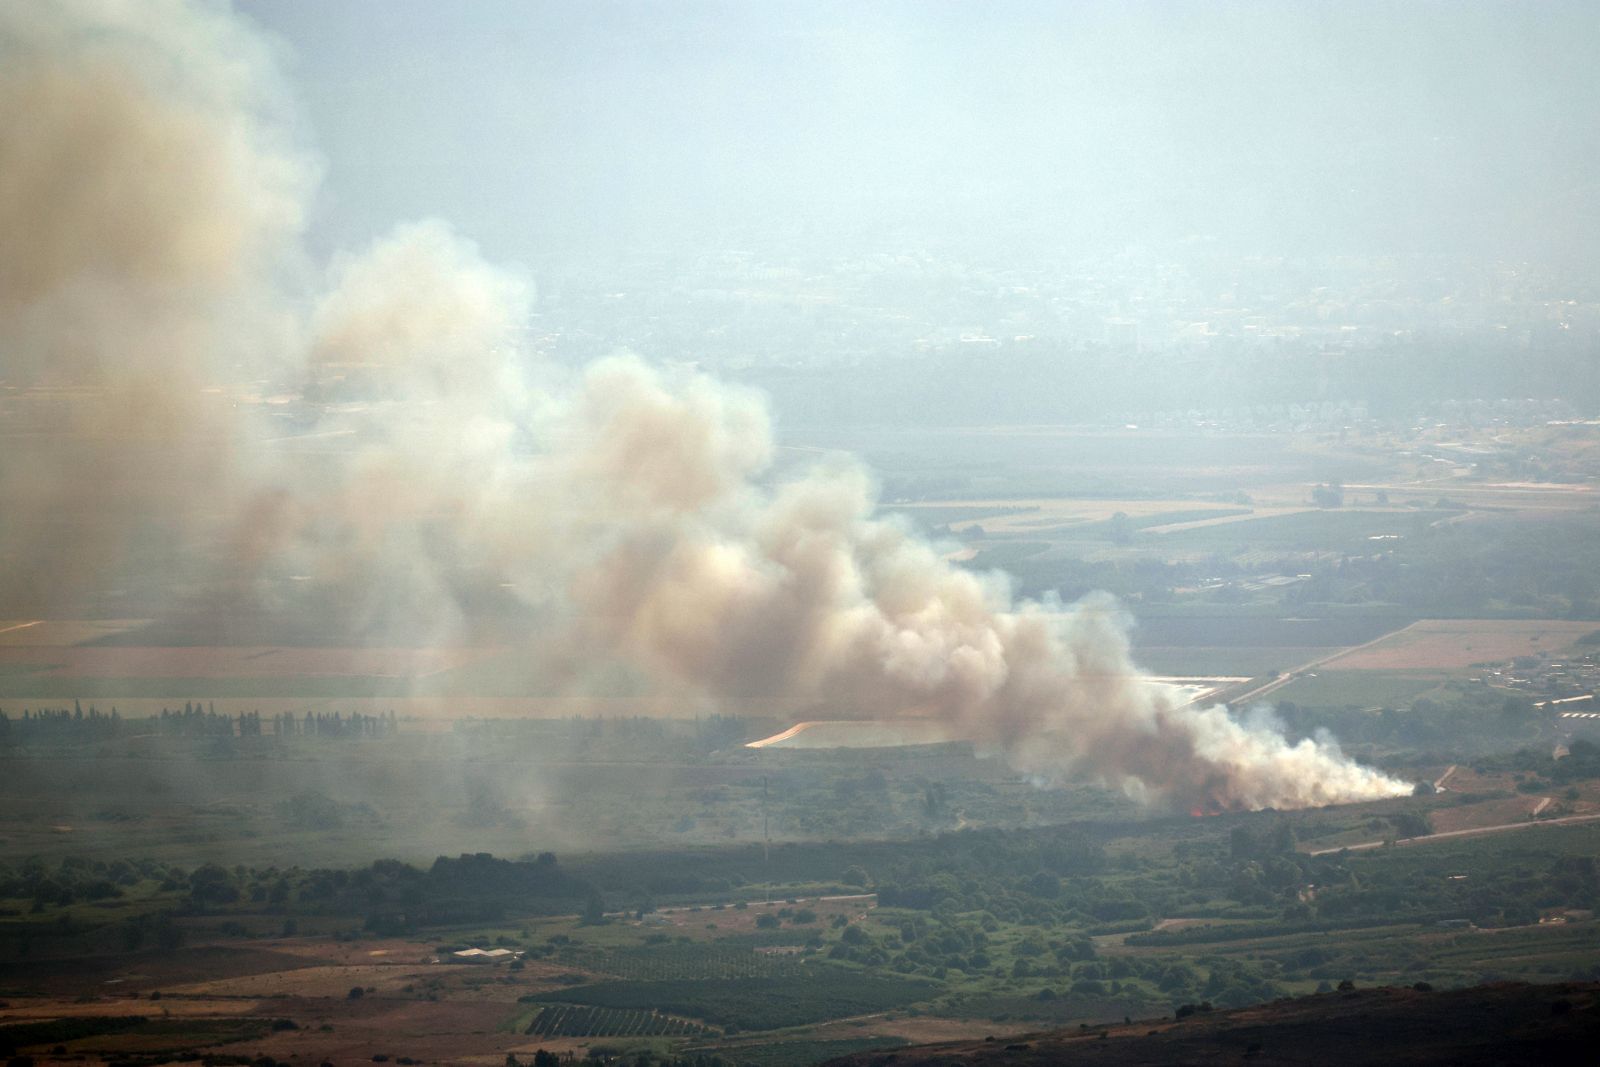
560,1020
1454,645
285,896
757,1003
140,676
1213,641
1325,686
1308,530
1050,518
733,951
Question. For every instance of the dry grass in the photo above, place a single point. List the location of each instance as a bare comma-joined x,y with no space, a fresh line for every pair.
1453,644
1498,812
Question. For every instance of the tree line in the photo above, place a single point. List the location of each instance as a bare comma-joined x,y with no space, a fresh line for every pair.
77,725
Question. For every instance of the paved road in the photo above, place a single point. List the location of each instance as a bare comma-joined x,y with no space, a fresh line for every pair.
1473,832
1288,676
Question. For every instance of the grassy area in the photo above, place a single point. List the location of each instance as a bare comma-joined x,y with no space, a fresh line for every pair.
1360,688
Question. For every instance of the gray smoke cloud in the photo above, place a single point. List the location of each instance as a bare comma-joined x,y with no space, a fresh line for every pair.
151,199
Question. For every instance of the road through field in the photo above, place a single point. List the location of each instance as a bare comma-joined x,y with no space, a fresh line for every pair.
1288,676
1472,832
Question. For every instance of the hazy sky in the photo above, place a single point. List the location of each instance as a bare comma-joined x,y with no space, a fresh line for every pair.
1277,127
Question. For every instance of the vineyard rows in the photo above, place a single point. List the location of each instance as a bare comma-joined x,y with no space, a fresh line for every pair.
563,1020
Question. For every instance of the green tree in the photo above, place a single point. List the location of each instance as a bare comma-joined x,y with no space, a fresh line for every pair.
212,884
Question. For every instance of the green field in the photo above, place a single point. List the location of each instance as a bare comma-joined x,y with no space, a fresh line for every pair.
1359,688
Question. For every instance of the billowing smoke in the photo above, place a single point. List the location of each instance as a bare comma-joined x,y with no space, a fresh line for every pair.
149,205
801,594
151,200
418,336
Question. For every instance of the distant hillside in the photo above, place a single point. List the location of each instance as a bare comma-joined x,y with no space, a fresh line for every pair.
1498,1025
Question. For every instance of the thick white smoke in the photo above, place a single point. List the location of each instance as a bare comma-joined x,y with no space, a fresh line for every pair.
148,209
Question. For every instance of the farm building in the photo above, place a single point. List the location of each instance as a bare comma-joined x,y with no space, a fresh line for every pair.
478,955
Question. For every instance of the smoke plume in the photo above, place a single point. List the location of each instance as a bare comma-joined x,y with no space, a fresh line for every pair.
151,198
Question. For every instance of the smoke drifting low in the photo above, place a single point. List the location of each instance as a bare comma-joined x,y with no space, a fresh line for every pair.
150,206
